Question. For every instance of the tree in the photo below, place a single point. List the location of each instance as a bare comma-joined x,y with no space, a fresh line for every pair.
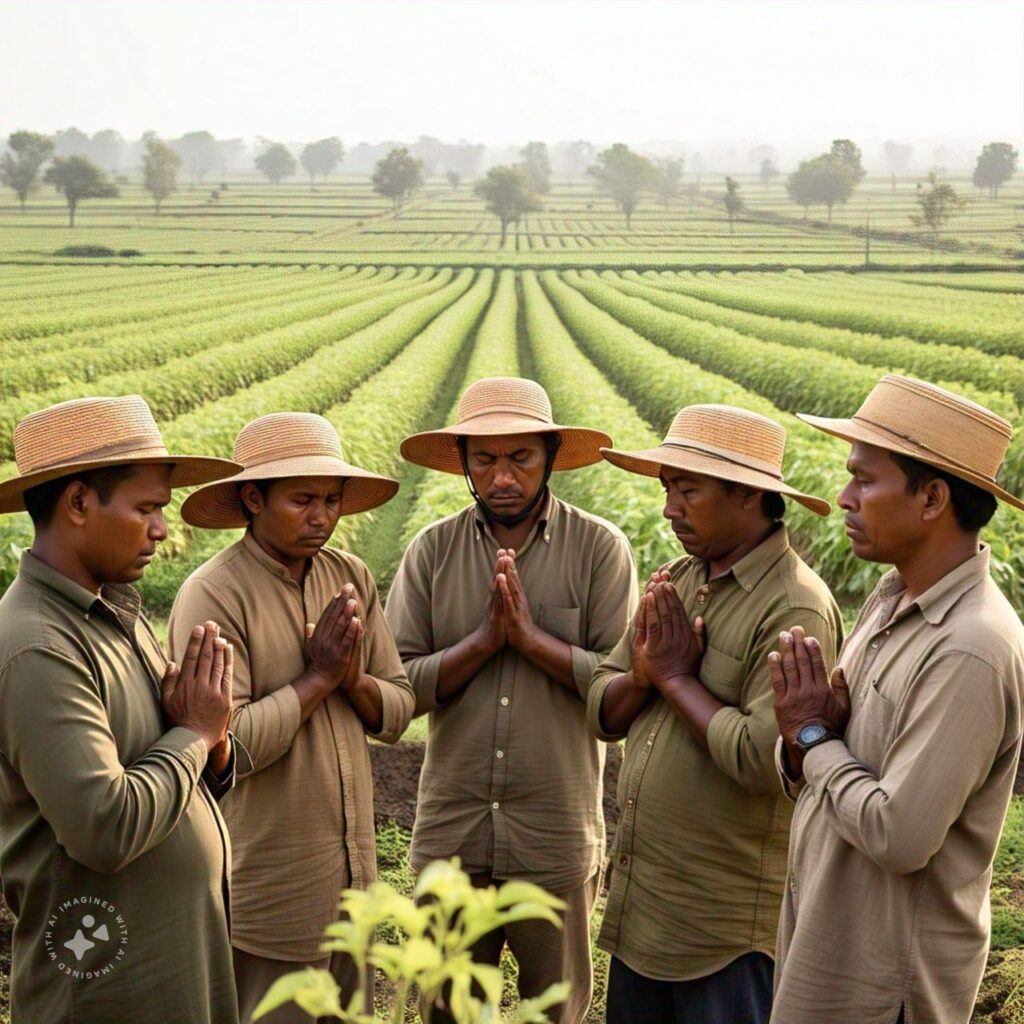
229,153
623,175
938,202
822,179
848,154
78,178
200,152
277,163
996,163
537,165
508,194
159,170
733,201
897,157
107,148
20,168
322,157
769,171
71,143
669,179
574,157
397,176
454,178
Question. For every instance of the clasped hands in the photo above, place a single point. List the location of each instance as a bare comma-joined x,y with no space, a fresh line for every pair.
334,645
667,649
507,620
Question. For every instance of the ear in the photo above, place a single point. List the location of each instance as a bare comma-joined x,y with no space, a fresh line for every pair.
751,499
77,502
251,497
935,498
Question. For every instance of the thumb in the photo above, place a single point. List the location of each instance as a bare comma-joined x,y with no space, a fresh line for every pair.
310,628
169,682
698,631
840,687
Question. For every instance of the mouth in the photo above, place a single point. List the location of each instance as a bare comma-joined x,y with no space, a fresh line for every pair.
319,540
851,529
504,500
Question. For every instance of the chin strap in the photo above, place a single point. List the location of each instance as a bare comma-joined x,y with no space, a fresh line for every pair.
553,442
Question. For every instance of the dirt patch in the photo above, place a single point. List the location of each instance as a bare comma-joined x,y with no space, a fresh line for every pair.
396,774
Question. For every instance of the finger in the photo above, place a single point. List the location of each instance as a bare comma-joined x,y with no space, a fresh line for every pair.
310,629
803,658
337,611
505,591
204,666
789,660
191,658
655,621
841,688
698,631
778,677
818,667
169,682
217,666
229,671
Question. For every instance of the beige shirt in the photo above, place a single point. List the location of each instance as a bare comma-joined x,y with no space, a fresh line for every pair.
512,780
699,861
302,823
896,829
104,814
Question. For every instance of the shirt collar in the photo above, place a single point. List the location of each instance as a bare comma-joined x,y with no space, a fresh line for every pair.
548,514
936,602
752,567
121,597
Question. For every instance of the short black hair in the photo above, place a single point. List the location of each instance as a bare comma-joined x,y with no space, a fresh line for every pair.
41,501
773,508
263,486
972,507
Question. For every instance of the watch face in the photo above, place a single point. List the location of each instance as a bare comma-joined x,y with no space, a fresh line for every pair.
810,734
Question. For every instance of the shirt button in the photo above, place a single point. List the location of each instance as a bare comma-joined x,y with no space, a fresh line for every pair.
495,805
701,598
630,802
874,645
504,702
623,860
499,753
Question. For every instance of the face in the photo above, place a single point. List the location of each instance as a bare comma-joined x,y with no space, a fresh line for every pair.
118,539
297,516
883,522
709,520
507,470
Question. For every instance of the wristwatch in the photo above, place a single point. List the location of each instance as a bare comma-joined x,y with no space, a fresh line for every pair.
812,735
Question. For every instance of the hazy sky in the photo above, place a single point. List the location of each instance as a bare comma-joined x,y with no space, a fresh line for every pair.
507,70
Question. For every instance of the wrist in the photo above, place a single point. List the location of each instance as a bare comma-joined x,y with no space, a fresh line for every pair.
483,644
325,678
677,681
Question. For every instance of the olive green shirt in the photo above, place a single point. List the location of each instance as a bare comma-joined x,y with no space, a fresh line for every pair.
699,861
512,780
896,828
302,822
107,830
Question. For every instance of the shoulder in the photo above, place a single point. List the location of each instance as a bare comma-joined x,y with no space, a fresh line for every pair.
345,566
583,524
34,621
984,625
222,575
802,587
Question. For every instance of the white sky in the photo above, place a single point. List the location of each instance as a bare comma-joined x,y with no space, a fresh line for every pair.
507,70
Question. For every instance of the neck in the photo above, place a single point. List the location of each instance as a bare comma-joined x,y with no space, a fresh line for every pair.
515,536
935,558
297,567
65,560
720,565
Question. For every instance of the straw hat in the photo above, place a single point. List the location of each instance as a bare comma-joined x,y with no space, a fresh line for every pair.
723,442
280,445
931,425
503,405
93,433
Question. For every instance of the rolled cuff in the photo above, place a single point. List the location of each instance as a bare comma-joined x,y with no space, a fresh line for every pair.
187,747
595,698
267,727
790,786
396,710
822,762
424,673
584,665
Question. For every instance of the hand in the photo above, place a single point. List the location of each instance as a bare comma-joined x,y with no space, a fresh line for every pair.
804,695
332,645
197,695
640,677
672,648
491,634
519,626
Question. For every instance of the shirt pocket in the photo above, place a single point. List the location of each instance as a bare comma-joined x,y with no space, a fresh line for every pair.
722,675
561,622
871,728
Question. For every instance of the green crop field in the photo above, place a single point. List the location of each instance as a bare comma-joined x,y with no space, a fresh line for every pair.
244,299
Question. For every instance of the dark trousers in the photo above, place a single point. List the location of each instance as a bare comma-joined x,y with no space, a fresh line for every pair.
740,993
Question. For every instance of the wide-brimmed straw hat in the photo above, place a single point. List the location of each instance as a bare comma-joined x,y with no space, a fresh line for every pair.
280,445
503,405
932,425
726,443
93,433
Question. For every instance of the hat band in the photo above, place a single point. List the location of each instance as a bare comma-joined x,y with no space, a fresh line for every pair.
955,463
759,465
135,446
520,413
265,458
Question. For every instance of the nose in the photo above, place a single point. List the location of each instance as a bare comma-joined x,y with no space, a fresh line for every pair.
671,509
158,527
503,475
317,513
845,498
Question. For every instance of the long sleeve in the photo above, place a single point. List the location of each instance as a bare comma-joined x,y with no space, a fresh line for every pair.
950,731
619,661
105,814
265,727
742,739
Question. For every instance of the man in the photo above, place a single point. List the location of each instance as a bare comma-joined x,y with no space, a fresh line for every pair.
501,612
906,762
304,696
113,855
699,861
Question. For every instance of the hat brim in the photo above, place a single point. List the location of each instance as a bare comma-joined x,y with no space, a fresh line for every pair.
219,506
187,471
438,449
853,430
649,461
